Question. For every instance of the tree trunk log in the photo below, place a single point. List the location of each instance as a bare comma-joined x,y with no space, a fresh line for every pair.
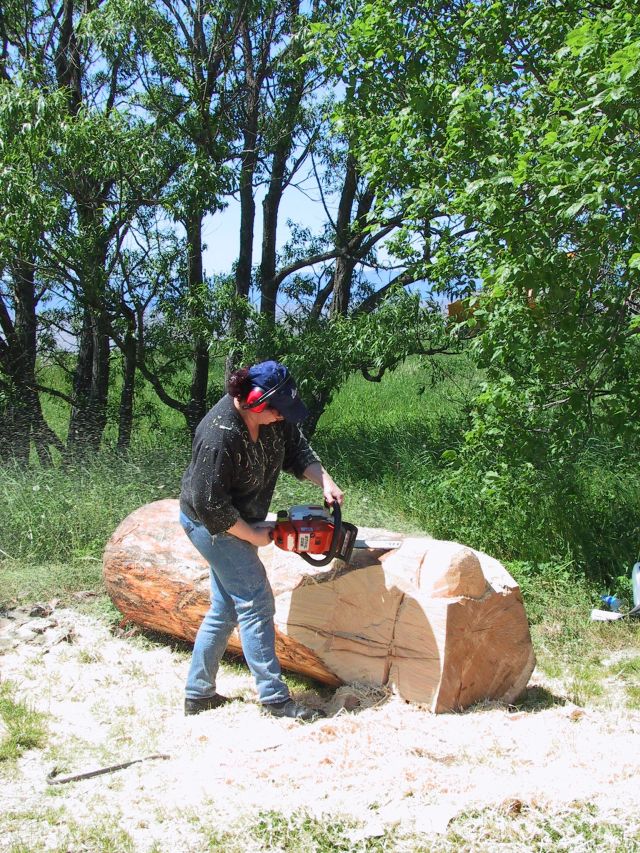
437,622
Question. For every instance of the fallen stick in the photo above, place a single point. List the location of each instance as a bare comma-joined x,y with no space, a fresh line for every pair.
53,779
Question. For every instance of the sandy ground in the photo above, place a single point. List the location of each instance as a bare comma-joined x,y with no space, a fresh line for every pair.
111,699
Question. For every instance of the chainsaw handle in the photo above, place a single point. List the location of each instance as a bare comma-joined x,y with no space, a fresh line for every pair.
335,539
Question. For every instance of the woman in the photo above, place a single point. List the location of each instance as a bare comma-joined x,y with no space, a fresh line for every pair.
239,449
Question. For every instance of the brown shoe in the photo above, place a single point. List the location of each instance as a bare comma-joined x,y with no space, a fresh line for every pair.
197,706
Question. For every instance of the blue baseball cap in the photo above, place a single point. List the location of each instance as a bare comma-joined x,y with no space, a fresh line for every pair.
280,390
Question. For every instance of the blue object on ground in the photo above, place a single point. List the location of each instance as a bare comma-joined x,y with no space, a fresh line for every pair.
612,602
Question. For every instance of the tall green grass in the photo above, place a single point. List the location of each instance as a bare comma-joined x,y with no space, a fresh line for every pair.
25,728
68,513
386,444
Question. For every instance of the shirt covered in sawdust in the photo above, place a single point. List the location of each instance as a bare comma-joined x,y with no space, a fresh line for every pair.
230,476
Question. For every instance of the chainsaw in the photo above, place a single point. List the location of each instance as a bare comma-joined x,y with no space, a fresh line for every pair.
308,529
312,530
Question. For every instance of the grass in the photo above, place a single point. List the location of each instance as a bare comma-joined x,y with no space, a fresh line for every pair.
19,827
520,826
515,826
26,728
396,448
302,833
570,647
67,513
393,447
628,670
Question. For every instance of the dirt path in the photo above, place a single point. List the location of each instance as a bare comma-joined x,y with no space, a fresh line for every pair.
385,767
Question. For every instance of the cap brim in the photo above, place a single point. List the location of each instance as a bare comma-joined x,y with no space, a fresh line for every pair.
291,408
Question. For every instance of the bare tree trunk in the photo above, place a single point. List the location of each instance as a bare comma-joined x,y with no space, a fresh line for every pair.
90,384
43,436
67,59
22,415
349,236
127,396
91,379
270,207
248,161
344,266
24,358
247,216
197,406
255,69
277,184
247,223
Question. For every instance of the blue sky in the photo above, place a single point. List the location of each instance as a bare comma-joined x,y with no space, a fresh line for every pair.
221,232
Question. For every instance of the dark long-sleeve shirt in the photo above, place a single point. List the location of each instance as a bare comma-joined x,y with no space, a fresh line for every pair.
230,476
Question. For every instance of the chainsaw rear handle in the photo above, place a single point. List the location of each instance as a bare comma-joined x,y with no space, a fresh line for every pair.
336,513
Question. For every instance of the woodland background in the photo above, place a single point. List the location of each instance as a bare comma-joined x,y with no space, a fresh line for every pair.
478,155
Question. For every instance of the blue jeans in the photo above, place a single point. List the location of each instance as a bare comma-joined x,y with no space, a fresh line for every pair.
240,595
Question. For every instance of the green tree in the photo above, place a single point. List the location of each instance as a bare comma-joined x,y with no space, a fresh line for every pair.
186,52
512,131
555,199
104,164
28,122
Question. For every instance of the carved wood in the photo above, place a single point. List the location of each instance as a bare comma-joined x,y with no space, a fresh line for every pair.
439,623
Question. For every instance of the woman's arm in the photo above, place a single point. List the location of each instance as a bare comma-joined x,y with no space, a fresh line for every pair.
257,535
317,474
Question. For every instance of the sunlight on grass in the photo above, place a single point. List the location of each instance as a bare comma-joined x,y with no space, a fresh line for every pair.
25,728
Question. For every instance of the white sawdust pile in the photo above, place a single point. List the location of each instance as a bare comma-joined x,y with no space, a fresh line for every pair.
383,763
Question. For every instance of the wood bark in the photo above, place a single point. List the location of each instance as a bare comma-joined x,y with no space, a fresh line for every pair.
196,408
18,353
437,622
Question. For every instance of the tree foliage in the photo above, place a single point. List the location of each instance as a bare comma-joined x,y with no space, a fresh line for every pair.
522,126
556,203
484,151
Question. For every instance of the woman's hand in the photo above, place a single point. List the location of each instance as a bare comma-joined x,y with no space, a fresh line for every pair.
331,491
318,475
262,531
261,537
258,534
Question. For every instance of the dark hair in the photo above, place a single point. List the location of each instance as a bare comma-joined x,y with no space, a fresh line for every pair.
239,384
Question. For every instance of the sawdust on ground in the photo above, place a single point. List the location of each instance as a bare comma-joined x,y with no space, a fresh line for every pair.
375,759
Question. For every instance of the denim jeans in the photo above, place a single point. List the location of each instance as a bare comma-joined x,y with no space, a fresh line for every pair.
240,595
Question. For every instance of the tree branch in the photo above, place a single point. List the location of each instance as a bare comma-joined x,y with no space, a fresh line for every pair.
307,262
371,302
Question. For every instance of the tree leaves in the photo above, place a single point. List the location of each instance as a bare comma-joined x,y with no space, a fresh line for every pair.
540,160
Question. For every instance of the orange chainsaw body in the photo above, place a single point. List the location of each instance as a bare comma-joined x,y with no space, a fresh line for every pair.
309,529
304,529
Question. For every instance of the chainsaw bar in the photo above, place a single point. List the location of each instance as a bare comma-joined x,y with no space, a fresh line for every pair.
377,544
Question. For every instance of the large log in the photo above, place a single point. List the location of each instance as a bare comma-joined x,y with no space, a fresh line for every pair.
437,622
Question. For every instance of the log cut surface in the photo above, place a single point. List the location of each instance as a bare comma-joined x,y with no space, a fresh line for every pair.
437,622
